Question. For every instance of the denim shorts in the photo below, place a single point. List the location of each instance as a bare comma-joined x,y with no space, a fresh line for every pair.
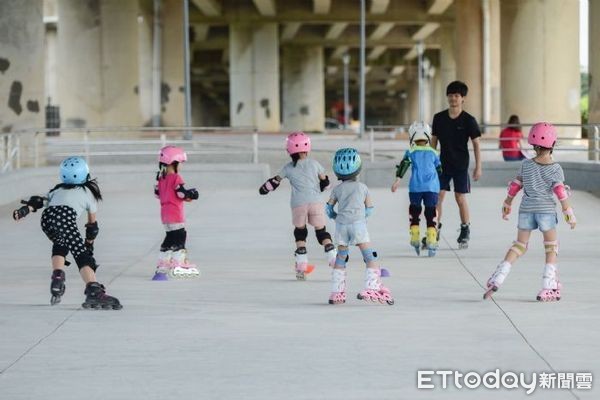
351,234
531,221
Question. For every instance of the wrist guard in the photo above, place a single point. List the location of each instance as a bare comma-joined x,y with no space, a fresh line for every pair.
91,231
270,185
323,183
187,194
402,167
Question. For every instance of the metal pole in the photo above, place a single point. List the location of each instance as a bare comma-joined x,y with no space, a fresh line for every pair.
156,66
255,147
362,69
372,145
420,80
186,63
346,60
485,8
596,143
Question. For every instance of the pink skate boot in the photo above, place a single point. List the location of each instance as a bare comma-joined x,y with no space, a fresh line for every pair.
164,266
181,267
497,278
338,286
550,285
374,290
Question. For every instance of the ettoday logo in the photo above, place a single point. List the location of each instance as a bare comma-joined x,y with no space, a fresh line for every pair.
504,380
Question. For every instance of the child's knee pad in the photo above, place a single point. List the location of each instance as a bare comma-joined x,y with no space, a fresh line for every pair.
414,211
322,235
519,248
551,246
430,216
85,259
59,250
342,258
300,234
369,255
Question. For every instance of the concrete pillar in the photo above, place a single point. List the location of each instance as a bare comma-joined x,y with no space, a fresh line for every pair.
254,76
145,40
173,97
97,63
447,65
413,94
495,78
438,95
468,48
594,61
21,65
303,88
540,61
50,49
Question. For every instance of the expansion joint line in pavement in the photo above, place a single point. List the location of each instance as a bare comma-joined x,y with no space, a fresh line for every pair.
64,321
515,327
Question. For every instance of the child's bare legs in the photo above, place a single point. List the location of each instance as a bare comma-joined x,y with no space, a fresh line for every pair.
550,283
519,246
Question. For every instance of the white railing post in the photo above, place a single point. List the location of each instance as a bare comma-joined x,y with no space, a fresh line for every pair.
596,143
372,145
18,150
255,147
86,145
163,140
36,150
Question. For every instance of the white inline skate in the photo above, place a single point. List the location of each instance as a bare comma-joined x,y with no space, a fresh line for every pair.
181,267
497,278
338,286
551,286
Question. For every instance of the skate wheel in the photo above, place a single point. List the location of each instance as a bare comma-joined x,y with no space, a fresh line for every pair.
300,276
309,268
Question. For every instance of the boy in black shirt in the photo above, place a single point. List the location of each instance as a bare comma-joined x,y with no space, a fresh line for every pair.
453,128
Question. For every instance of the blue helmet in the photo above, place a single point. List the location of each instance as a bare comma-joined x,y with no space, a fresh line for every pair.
74,170
346,163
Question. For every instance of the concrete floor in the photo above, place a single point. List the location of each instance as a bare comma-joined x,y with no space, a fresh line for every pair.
248,330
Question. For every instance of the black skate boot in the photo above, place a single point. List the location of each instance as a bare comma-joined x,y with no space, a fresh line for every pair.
57,286
96,297
463,238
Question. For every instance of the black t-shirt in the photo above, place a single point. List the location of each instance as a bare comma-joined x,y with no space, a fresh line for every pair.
453,135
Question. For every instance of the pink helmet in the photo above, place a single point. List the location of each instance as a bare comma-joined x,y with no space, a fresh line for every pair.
542,134
171,154
297,142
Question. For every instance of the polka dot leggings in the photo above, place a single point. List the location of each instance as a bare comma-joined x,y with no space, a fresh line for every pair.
59,223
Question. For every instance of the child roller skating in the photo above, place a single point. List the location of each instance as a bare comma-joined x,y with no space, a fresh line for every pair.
423,187
307,178
541,179
64,204
170,190
353,207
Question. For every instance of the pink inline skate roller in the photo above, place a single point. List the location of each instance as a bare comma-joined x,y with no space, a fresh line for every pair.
550,285
497,278
374,290
163,266
181,267
301,266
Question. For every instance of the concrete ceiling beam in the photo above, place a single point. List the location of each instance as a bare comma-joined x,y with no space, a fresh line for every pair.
345,42
376,52
397,70
290,30
266,7
210,8
379,6
339,52
438,7
381,31
425,30
201,32
336,30
321,6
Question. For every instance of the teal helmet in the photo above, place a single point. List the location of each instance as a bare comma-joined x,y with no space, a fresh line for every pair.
346,163
74,171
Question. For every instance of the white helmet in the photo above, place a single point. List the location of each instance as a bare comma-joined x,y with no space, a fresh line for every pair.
419,131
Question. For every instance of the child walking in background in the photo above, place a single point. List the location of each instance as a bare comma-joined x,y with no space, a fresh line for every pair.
307,178
424,185
540,178
65,203
353,207
170,189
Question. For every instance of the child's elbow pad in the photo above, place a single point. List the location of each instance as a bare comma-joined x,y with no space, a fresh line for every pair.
561,191
513,187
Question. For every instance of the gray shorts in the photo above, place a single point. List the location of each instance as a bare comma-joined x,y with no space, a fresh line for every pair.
543,222
351,234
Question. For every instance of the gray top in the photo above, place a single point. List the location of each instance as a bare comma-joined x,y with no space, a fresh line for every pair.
538,180
304,178
79,199
350,196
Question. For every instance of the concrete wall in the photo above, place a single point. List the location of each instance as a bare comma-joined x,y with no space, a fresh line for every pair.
21,64
594,61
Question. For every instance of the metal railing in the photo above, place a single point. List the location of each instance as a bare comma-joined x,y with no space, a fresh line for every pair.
400,132
124,142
